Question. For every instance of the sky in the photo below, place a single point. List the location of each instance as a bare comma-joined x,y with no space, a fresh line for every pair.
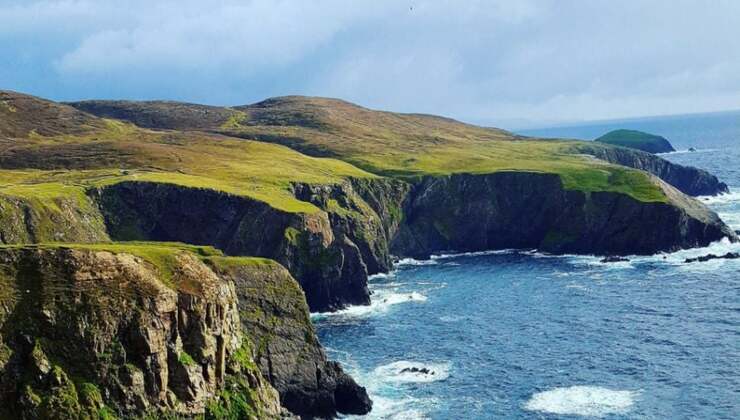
511,63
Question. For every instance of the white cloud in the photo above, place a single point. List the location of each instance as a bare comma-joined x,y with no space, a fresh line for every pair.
195,35
479,60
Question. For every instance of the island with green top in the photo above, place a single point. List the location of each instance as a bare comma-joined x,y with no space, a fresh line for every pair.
639,140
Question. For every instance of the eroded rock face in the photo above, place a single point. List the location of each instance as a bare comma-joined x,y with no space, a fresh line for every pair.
527,210
287,350
320,249
361,222
83,332
687,179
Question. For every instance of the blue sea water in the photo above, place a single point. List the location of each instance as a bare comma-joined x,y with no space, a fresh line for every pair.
518,334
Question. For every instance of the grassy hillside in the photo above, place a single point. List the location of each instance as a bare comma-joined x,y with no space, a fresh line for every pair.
327,140
23,115
392,144
48,167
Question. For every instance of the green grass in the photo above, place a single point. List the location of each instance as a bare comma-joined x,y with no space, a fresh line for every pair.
257,170
411,145
185,359
225,262
363,144
161,255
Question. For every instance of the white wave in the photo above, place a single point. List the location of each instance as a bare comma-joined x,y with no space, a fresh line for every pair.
582,400
451,318
395,409
405,371
380,301
731,219
412,261
380,276
732,196
683,151
391,400
720,247
474,254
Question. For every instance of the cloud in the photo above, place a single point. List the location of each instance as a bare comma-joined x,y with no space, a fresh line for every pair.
245,36
485,61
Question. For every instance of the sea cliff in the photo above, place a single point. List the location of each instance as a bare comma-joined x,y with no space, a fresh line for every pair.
155,329
287,206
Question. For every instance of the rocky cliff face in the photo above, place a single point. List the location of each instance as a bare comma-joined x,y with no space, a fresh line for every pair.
86,333
287,350
528,210
366,211
687,179
360,223
328,266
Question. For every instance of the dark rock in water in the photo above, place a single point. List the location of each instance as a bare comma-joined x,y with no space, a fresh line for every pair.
417,370
691,149
614,258
704,258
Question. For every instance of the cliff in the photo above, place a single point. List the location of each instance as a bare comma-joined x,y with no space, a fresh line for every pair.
687,179
143,329
525,210
638,140
90,331
318,252
327,221
286,348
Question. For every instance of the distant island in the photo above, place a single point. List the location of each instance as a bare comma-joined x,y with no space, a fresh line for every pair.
639,140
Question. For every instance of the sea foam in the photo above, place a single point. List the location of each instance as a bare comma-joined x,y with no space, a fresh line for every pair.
394,372
732,196
380,301
412,261
474,254
582,400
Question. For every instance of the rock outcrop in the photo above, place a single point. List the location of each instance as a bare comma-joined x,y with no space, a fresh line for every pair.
709,257
287,351
86,332
687,179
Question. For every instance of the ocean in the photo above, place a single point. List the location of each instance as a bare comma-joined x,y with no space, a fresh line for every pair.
517,334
